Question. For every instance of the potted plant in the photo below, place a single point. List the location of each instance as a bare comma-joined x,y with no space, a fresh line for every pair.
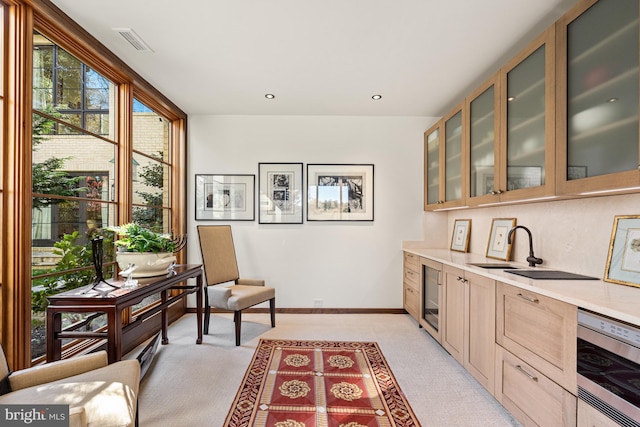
150,252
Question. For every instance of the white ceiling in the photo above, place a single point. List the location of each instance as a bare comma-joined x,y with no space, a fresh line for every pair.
319,57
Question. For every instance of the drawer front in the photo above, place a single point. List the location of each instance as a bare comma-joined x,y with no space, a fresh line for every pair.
541,331
411,261
411,277
530,396
411,301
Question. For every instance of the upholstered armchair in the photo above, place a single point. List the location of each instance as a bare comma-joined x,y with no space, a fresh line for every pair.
98,394
225,289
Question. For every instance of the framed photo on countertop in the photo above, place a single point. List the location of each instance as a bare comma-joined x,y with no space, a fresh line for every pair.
461,235
623,260
498,246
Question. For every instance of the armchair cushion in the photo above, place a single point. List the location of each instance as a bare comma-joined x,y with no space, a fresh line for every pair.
250,282
107,395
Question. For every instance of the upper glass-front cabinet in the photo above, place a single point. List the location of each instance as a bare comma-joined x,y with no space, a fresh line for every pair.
432,166
527,150
444,163
483,108
598,95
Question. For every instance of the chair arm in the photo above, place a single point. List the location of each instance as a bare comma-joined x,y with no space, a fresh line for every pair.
57,370
251,282
218,296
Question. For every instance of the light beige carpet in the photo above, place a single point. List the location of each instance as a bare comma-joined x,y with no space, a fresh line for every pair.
195,385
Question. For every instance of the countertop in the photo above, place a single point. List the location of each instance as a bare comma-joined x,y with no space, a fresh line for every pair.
618,301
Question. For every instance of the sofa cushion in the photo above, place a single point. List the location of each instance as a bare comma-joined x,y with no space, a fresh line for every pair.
108,395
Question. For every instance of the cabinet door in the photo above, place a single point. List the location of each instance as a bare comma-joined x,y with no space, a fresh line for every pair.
527,155
453,299
483,113
598,145
432,143
479,353
454,165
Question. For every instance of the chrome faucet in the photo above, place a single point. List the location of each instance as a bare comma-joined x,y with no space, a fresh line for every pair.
531,258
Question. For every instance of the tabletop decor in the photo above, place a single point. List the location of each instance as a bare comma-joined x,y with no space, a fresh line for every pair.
461,234
319,383
340,192
225,197
150,252
498,246
280,193
623,260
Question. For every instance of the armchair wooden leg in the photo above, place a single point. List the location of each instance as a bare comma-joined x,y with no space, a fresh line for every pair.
207,315
272,309
207,312
237,318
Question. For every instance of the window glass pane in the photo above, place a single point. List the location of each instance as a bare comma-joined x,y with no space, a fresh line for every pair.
73,176
151,193
97,91
150,132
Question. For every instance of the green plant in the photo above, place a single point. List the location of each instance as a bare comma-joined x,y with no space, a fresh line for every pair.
134,238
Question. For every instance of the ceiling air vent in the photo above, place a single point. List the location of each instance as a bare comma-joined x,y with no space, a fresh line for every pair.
134,39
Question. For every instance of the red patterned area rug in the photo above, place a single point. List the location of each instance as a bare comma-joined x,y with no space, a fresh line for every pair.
319,384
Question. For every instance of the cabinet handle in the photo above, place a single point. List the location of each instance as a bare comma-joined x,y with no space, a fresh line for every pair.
439,277
531,377
461,279
533,300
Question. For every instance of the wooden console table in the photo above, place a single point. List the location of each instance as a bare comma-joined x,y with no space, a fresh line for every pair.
112,302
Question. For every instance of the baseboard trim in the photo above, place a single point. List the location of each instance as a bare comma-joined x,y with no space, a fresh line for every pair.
317,310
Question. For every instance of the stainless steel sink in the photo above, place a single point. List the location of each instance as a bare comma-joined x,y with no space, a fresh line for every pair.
491,265
550,275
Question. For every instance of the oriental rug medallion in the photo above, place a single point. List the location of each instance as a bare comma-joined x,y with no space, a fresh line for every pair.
319,384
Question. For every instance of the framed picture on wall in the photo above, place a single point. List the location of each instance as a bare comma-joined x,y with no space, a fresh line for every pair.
225,197
340,192
623,260
280,193
499,247
461,234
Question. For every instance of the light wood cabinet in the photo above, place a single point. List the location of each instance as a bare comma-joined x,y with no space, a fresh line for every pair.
453,300
445,162
529,395
598,85
564,120
469,323
411,285
539,330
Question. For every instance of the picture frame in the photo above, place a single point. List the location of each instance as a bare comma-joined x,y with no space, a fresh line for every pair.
498,246
225,197
340,192
461,235
280,193
623,259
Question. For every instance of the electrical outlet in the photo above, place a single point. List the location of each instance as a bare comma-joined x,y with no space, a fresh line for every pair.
317,303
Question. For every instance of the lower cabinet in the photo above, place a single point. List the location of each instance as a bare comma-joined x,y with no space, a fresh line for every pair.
469,323
529,395
411,285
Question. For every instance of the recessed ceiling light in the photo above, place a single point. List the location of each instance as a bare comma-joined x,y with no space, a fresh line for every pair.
376,97
269,96
610,100
511,98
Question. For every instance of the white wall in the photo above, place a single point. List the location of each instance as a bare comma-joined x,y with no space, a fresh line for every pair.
345,265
